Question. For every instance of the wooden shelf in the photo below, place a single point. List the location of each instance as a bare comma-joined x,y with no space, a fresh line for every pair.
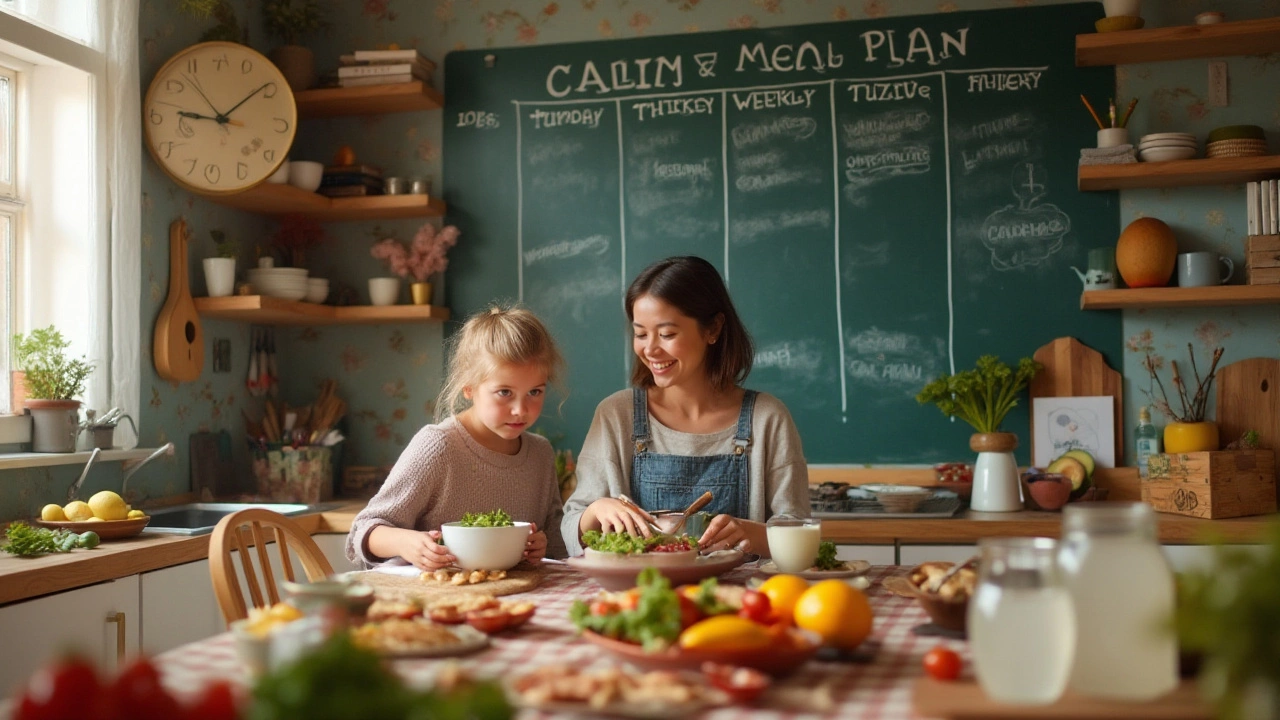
265,310
1244,37
275,199
1178,173
1177,297
368,100
10,461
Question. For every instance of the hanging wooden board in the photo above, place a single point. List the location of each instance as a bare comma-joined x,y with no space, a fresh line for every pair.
178,344
1073,369
1249,399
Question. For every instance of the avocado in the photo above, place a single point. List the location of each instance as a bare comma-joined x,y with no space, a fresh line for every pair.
1084,458
1074,471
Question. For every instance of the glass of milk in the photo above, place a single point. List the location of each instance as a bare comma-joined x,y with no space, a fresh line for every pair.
793,542
1022,627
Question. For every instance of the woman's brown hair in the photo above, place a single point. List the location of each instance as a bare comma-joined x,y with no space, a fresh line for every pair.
500,335
693,286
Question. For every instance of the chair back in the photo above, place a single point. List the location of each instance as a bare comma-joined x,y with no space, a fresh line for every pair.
255,528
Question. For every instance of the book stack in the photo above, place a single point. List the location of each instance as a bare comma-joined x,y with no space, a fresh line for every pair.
1262,247
383,67
351,181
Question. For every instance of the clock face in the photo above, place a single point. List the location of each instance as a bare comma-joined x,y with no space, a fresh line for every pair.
219,118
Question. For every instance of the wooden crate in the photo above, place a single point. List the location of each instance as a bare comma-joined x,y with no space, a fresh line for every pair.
1218,484
1262,259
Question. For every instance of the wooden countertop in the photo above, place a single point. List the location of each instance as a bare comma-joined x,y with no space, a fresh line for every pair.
25,578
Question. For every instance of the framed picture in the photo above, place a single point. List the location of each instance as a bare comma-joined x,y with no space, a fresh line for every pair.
1069,423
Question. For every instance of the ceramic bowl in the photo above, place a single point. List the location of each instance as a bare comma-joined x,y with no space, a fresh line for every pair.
317,290
1163,154
486,548
899,498
281,175
306,174
282,645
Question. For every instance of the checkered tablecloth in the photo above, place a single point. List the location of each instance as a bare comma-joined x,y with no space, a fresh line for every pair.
875,686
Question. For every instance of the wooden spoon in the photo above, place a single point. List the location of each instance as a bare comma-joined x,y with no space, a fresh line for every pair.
697,505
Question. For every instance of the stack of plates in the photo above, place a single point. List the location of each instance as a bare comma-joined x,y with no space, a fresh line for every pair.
287,283
1160,147
1236,141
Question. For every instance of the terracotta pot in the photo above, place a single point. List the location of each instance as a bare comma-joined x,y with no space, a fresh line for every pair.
993,442
1191,437
298,64
421,293
17,391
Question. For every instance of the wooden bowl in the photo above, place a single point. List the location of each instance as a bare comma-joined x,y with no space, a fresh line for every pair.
106,529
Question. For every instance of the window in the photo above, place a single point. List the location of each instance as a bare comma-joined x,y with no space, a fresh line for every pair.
10,211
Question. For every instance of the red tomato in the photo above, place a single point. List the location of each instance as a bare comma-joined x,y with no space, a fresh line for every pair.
216,702
138,690
60,690
631,599
601,607
690,613
942,663
756,607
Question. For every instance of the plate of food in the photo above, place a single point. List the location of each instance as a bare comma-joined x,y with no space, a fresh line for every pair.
620,576
418,637
826,566
612,692
791,649
941,588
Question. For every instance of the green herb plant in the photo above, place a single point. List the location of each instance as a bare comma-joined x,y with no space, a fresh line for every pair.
494,518
983,396
51,375
27,541
290,20
222,246
1228,613
228,28
827,557
654,623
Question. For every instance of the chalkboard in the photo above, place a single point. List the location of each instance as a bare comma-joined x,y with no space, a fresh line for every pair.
888,200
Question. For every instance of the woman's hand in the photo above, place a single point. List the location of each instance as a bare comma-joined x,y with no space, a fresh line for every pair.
424,551
725,532
613,515
535,548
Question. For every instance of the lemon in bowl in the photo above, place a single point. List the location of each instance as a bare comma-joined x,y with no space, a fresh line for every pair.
108,506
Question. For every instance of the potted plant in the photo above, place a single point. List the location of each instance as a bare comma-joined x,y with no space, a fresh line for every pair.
227,29
424,257
220,271
290,20
295,234
53,379
983,397
1189,431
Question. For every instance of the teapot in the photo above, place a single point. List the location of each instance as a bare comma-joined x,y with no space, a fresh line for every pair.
1096,279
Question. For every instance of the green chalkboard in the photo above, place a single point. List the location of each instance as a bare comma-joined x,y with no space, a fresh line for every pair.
888,200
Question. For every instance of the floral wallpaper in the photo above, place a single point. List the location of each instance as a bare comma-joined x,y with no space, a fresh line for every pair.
390,374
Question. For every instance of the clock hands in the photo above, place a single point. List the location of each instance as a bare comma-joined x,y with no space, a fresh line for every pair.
220,120
245,100
196,84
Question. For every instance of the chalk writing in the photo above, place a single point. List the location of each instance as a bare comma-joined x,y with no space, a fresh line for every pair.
878,130
1029,233
706,64
796,128
882,91
674,106
747,230
661,72
909,160
572,295
478,119
546,152
918,44
593,245
764,99
1004,81
556,118
971,160
787,58
678,171
768,181
1010,124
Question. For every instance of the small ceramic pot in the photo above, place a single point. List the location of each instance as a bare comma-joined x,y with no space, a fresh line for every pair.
1111,137
421,293
220,276
1126,8
384,291
1191,437
996,485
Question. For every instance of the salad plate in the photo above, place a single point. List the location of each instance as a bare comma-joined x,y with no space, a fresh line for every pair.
612,692
614,575
774,659
851,568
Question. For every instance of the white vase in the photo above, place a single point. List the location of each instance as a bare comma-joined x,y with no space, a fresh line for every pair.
384,291
220,276
996,485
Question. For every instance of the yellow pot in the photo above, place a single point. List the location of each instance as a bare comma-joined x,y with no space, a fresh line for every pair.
421,293
1190,437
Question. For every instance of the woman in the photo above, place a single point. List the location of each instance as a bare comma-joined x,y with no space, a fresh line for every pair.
687,426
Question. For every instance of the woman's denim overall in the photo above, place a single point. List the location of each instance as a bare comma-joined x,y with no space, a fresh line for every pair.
673,482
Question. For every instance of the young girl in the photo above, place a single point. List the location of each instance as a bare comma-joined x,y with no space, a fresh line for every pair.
477,460
687,425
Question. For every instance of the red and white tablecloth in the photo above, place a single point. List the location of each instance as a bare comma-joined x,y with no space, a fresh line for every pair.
876,688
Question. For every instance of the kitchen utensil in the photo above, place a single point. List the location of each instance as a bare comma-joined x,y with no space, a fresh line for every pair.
1249,399
74,490
178,341
648,519
251,379
694,507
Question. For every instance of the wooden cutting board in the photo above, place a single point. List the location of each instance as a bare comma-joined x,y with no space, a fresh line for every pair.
178,344
1073,369
1249,399
965,700
398,586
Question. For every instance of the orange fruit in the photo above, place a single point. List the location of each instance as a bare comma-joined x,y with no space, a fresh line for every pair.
725,632
783,592
1146,253
344,156
836,611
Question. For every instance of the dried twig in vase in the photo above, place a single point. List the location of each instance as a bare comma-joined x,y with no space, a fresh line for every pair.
1194,407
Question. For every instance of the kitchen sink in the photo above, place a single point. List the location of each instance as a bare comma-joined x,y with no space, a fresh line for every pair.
200,518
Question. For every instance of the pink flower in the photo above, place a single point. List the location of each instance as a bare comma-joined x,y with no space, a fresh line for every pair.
425,256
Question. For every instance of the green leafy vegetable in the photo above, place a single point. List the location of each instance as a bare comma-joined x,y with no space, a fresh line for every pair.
983,396
627,544
27,541
495,518
705,598
827,557
654,623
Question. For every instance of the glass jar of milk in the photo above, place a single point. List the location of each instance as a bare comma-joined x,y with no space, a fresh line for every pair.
1021,629
1123,593
793,542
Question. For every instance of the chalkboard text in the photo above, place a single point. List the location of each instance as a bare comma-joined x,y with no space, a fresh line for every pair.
555,118
674,106
898,90
1004,81
787,58
478,119
762,99
665,72
918,44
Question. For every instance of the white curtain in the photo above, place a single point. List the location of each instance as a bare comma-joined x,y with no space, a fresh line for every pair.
117,332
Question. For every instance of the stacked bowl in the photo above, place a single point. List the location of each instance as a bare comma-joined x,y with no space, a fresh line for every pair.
1236,141
317,289
287,283
1159,147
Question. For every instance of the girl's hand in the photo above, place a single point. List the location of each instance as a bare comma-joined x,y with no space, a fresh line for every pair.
723,533
613,515
424,551
535,548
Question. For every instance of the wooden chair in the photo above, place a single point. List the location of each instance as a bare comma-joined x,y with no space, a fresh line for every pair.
256,527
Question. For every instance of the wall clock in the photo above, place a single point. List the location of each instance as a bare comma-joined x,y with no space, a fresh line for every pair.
219,118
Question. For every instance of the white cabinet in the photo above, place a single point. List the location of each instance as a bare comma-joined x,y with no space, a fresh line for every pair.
88,619
874,554
911,555
178,607
334,546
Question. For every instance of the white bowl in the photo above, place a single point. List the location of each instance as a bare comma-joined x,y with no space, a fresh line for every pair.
317,293
486,548
278,272
1162,154
899,498
306,174
281,175
281,646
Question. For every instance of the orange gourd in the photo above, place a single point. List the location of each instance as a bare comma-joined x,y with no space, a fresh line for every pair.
1146,253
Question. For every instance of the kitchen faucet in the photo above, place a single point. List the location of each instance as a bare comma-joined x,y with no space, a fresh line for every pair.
75,488
166,449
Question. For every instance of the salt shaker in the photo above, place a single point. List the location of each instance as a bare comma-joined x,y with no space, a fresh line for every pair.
394,186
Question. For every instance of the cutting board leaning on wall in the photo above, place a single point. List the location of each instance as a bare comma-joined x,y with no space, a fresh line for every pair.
178,345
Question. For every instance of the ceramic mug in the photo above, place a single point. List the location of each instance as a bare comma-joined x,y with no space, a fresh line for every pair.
1201,269
384,291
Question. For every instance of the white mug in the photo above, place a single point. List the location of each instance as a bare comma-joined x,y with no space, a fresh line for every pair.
1203,269
384,291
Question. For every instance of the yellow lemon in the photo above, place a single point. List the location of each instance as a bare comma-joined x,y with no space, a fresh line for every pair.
783,592
725,632
108,506
77,511
52,513
837,611
135,514
284,612
95,519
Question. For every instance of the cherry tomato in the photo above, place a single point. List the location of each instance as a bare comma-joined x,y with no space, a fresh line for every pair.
138,690
60,690
602,607
216,702
942,663
690,613
630,599
756,607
